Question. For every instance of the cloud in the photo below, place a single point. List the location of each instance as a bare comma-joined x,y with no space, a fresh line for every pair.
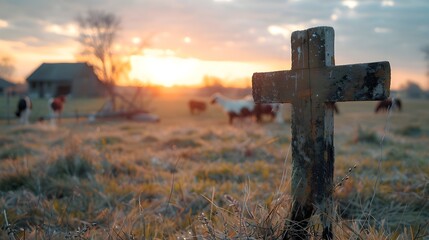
351,4
287,29
69,30
279,30
381,30
3,24
387,3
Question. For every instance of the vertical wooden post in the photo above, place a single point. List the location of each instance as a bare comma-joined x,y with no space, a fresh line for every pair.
311,85
312,148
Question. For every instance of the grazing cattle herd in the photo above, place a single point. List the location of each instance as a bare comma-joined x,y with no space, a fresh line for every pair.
24,106
236,109
244,108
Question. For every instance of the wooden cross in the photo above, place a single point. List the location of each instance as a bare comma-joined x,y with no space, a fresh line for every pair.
312,85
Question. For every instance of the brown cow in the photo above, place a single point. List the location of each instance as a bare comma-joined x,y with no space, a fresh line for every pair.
265,109
196,106
56,106
389,104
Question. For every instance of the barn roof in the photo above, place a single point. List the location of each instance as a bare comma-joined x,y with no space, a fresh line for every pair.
5,83
60,71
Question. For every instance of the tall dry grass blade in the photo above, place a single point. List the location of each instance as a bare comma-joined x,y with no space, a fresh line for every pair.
211,206
8,227
377,181
284,172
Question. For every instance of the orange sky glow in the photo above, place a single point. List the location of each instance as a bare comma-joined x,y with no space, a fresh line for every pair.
226,39
171,71
161,67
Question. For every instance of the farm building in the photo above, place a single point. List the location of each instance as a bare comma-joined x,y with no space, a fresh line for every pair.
5,85
70,79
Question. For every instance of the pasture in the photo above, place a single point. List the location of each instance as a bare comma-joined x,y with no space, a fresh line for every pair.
197,177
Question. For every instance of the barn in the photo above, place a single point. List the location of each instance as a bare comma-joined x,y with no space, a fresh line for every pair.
70,79
5,85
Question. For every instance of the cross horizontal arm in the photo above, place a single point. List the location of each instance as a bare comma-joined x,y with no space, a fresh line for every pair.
356,82
280,86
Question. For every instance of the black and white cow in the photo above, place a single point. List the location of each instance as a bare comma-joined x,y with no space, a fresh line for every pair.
235,108
24,109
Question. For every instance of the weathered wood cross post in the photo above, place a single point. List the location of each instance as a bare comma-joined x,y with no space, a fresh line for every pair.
311,85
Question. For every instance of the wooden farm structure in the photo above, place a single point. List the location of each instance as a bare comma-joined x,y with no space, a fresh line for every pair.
5,86
68,79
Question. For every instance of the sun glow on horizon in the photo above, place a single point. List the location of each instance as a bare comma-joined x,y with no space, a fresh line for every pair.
168,70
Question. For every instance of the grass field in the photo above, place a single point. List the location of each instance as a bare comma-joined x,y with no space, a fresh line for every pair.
196,177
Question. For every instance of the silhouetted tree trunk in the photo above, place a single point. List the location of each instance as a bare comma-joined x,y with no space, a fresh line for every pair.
98,32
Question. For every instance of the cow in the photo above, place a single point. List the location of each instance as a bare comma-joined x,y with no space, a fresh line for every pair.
389,104
266,109
333,106
235,108
56,106
24,110
196,106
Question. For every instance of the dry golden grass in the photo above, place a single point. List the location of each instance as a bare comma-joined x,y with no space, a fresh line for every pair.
196,177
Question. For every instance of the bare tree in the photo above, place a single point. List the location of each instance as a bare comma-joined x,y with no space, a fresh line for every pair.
6,67
98,31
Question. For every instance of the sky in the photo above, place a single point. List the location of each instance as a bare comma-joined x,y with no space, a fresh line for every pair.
231,39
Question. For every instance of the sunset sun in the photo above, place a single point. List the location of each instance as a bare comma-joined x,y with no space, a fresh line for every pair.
164,70
162,67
